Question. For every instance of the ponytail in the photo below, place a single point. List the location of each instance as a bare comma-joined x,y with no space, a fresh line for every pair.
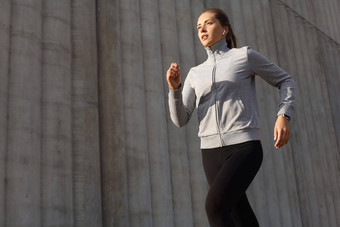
231,38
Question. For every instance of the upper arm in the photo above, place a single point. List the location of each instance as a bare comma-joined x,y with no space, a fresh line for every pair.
266,69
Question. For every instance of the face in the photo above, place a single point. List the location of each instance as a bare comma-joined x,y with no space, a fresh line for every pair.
210,29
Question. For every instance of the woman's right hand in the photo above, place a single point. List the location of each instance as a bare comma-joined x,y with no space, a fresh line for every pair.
173,76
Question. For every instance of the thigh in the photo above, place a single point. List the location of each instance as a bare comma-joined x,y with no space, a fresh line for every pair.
213,160
236,174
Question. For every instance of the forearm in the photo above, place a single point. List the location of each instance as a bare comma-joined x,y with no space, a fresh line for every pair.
178,112
287,97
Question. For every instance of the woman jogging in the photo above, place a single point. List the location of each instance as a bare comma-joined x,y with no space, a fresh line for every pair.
223,91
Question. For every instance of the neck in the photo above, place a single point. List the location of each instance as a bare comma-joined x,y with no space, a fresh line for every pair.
219,47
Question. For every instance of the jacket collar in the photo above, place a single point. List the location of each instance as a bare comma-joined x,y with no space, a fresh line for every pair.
217,49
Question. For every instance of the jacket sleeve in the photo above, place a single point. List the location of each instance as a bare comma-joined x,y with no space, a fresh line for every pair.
275,76
182,104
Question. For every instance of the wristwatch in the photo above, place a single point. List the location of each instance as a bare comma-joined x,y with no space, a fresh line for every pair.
285,116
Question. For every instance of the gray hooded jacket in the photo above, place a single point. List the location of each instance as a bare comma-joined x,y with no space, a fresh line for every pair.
223,91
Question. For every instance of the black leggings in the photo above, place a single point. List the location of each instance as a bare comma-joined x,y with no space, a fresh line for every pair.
229,171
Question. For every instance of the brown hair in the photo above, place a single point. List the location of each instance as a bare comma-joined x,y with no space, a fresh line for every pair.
222,17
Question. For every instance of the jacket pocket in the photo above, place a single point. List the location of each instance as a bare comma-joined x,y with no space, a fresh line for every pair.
207,120
234,116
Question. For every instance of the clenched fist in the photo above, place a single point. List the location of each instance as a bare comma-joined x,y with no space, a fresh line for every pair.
173,76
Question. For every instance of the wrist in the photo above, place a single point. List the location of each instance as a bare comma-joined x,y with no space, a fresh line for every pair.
284,116
175,88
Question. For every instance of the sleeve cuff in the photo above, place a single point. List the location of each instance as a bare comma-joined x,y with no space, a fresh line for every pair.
175,94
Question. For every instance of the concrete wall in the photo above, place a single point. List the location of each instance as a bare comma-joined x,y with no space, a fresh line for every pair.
85,134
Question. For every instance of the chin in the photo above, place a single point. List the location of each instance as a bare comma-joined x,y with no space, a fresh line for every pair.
206,44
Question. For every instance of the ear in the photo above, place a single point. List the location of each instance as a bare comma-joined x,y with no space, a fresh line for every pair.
226,29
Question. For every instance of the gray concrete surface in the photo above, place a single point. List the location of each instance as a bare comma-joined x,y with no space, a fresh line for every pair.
85,133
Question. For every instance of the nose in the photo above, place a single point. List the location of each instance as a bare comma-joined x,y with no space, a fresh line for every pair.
203,29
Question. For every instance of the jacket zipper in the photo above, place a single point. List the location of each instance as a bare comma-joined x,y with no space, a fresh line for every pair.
216,107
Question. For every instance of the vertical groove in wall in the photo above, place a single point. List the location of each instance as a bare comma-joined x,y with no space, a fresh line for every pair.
85,128
325,126
305,71
113,143
327,57
165,34
24,120
160,178
335,82
197,7
176,136
331,10
56,137
140,209
273,165
301,166
5,31
337,20
281,28
99,109
312,81
5,14
273,160
198,184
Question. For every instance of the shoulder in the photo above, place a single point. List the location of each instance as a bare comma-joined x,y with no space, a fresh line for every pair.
240,50
245,51
236,56
238,53
250,54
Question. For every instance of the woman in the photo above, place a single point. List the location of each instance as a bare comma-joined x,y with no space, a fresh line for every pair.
223,91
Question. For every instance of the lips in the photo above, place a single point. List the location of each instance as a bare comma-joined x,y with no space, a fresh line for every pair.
204,37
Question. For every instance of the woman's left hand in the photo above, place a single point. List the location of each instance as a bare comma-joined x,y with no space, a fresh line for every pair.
281,131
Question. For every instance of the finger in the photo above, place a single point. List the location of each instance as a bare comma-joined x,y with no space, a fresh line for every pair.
275,133
173,73
174,70
174,65
169,74
284,138
279,139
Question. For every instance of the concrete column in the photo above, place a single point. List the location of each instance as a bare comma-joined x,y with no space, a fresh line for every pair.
197,6
211,4
56,163
330,84
198,184
176,136
330,54
326,141
5,18
113,143
140,209
234,11
314,189
157,137
284,30
269,184
302,169
23,170
85,117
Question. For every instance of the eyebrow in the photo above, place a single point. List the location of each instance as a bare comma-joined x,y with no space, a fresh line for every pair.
204,22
